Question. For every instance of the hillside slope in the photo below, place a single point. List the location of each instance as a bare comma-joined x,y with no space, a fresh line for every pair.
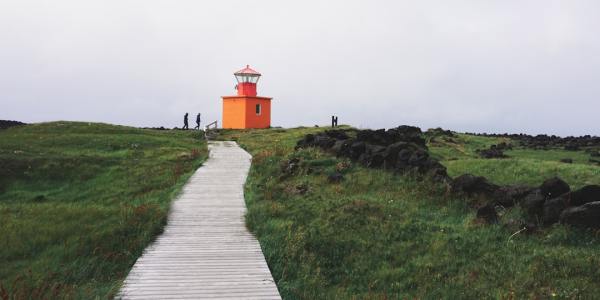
80,201
372,234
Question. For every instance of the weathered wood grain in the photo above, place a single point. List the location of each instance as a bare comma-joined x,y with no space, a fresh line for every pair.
206,252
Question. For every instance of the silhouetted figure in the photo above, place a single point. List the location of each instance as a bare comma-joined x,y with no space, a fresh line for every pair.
197,122
185,122
334,121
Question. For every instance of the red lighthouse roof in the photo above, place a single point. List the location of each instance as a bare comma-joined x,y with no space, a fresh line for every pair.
247,71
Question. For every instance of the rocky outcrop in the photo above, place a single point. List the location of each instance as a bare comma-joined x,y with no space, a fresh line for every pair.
547,204
533,203
509,195
401,149
495,151
554,187
470,185
544,141
436,132
553,201
488,214
553,208
7,124
491,153
587,215
584,195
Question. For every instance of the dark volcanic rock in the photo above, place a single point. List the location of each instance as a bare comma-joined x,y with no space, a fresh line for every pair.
339,146
324,141
7,124
488,213
376,137
384,138
533,203
337,134
510,195
307,141
401,149
156,128
418,157
407,133
469,184
491,153
495,151
403,157
571,146
357,149
438,171
544,141
373,156
554,187
587,215
586,194
553,208
390,155
439,132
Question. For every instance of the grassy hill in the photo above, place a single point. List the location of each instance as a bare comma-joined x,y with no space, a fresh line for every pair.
524,166
377,235
80,201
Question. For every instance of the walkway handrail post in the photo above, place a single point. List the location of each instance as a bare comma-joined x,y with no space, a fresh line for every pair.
208,128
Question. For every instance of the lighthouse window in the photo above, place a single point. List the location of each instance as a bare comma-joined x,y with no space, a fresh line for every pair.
258,109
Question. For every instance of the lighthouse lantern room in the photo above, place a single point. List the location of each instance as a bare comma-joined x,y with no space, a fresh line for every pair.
246,109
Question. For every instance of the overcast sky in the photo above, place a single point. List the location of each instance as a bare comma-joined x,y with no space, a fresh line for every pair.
484,66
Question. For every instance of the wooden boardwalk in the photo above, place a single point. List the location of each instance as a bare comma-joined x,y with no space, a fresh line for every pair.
206,250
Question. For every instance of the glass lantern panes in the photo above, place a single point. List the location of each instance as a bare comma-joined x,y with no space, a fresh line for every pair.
252,78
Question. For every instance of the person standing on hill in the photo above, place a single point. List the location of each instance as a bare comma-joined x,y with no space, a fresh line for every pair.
197,122
185,122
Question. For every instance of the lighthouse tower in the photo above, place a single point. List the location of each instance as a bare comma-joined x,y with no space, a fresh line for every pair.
246,109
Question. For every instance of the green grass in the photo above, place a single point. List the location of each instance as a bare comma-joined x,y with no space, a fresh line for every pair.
524,166
80,201
379,236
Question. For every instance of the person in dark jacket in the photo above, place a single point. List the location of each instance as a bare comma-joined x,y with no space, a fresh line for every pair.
185,122
197,122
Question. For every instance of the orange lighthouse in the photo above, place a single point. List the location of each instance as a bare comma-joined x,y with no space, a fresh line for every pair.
246,110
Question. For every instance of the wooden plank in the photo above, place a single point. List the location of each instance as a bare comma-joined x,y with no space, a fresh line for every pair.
205,251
